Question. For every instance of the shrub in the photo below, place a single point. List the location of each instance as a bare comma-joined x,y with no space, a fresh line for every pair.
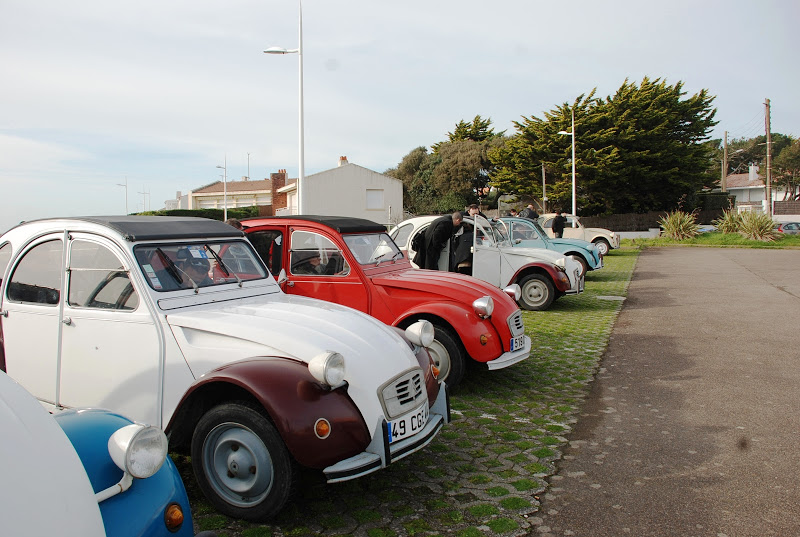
758,227
729,222
679,225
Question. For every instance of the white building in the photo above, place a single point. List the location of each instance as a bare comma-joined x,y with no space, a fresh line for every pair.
750,191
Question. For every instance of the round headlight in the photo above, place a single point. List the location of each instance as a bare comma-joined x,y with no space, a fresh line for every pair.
483,306
421,333
513,291
138,449
328,368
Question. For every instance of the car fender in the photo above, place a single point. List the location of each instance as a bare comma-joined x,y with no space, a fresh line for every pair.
294,401
466,323
560,279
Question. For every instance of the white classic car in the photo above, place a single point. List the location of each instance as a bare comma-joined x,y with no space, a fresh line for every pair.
485,251
603,238
176,322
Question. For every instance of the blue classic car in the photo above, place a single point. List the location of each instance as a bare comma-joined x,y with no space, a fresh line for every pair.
529,234
85,473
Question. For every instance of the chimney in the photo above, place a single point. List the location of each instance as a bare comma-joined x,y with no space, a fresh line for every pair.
753,175
245,178
342,160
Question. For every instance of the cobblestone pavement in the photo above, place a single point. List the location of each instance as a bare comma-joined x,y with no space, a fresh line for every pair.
692,424
485,472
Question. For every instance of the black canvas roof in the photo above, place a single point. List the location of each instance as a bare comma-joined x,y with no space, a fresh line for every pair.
148,228
342,224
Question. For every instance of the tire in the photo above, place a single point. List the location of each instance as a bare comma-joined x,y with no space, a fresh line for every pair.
448,356
602,246
538,292
583,263
241,463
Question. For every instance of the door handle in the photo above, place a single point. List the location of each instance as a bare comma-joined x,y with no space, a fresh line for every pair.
290,284
67,321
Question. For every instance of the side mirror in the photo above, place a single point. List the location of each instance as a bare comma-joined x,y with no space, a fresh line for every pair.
282,278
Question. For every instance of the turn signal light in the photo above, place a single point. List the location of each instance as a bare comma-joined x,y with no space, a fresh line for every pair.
322,428
173,517
434,371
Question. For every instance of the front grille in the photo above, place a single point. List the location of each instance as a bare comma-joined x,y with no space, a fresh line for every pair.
403,393
515,323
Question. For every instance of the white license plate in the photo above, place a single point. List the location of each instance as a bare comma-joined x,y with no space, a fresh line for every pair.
518,342
410,424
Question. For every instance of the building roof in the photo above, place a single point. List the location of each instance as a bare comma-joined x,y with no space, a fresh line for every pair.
742,180
235,186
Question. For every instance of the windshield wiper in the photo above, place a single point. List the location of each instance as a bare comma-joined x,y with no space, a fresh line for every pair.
378,259
170,266
222,266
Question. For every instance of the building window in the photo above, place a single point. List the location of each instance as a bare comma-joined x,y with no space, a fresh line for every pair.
374,198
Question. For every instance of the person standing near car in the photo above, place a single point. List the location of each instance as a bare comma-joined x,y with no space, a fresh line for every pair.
559,223
436,236
474,209
529,212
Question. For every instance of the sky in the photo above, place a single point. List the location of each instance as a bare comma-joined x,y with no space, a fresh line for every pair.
108,107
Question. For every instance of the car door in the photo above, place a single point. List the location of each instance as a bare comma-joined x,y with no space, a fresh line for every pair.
31,316
486,258
110,344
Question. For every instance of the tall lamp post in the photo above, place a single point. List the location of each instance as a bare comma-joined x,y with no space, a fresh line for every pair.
299,52
224,169
574,208
125,184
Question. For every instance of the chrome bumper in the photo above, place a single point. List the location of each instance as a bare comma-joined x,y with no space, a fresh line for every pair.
512,357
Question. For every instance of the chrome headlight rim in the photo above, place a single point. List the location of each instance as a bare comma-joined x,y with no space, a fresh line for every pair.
483,307
140,450
514,291
328,368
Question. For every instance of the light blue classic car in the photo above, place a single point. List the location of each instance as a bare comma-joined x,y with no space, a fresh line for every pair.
85,473
529,234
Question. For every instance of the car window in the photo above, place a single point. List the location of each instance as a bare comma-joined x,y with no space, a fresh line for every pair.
316,255
173,266
37,277
269,245
372,248
401,234
98,279
523,231
5,257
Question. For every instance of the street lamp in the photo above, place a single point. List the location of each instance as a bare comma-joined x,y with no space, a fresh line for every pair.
125,184
224,169
299,52
574,209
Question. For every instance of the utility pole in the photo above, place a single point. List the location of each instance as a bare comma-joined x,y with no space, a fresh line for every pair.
769,162
724,179
544,192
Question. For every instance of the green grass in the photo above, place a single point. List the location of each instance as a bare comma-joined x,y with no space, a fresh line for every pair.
716,239
489,466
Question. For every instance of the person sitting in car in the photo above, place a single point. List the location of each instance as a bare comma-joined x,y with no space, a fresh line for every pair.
307,262
196,268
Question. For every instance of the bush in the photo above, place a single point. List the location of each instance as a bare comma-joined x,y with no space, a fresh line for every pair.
729,222
679,225
758,227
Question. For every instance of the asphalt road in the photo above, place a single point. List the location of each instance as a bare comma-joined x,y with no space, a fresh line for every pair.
693,422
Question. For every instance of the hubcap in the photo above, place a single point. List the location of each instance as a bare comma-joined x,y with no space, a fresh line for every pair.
441,358
535,293
237,464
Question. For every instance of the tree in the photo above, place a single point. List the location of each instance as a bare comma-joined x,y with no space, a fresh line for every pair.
640,150
787,170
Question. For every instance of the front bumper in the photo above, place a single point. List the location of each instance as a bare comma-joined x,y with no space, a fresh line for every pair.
578,282
380,453
512,357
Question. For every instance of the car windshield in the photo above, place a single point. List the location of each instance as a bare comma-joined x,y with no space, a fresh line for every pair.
372,248
169,267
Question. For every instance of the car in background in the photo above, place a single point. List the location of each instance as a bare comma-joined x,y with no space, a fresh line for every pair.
485,252
85,473
604,239
176,322
527,233
357,264
789,228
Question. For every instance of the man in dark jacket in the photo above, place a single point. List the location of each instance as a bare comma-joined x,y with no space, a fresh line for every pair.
529,212
436,236
559,222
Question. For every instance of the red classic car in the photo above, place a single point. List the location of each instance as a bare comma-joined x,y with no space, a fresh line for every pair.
355,263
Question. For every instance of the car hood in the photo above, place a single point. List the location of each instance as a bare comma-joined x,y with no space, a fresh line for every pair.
575,243
442,283
598,231
539,254
298,328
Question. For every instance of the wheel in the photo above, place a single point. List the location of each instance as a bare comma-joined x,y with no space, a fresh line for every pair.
537,292
241,462
583,263
602,246
447,355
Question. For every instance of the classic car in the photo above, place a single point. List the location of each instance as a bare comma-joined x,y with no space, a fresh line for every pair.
527,233
356,264
603,238
85,473
176,322
789,228
485,252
